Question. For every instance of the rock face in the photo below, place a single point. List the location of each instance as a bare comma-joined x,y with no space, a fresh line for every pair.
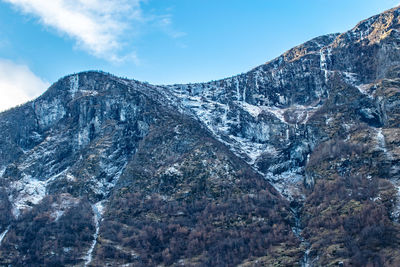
295,163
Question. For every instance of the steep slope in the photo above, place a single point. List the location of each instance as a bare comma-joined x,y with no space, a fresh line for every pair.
266,115
100,164
321,122
262,115
193,203
296,162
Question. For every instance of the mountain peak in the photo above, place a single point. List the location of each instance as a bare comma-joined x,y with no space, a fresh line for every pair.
293,163
374,29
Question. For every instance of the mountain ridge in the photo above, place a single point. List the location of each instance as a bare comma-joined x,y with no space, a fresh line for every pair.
294,163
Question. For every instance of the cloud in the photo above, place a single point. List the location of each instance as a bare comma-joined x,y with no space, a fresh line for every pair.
98,26
18,84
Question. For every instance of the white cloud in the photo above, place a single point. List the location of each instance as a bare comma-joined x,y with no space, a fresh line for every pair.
98,26
18,84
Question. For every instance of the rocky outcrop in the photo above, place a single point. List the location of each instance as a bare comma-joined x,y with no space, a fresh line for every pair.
295,162
99,148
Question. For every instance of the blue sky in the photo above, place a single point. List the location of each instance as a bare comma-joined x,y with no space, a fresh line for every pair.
158,41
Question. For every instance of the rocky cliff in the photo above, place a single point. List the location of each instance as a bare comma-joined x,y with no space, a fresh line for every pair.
295,163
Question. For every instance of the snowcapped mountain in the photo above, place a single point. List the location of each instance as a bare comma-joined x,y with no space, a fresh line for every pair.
294,163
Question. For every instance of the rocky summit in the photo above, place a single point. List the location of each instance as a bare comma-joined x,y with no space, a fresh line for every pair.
294,163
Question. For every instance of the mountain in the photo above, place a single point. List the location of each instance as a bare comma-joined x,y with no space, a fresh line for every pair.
294,163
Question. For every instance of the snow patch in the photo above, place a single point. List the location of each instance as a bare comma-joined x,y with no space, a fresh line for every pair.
353,80
323,61
222,108
49,112
2,171
306,262
70,178
277,112
59,207
103,186
363,30
302,112
89,93
251,109
251,149
257,76
173,171
3,234
380,138
73,85
287,183
26,192
67,250
122,115
381,144
237,90
396,209
83,137
363,88
259,132
100,206
98,209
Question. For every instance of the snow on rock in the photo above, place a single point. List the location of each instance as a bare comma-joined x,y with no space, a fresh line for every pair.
252,109
260,131
45,151
3,234
228,109
74,85
364,88
362,31
100,207
380,138
396,210
65,202
2,170
173,170
306,261
381,144
278,112
98,210
252,150
29,191
83,137
103,186
353,80
49,113
325,55
69,177
88,93
287,183
25,193
123,114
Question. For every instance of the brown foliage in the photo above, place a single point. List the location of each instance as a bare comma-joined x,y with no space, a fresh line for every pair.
341,213
220,233
333,149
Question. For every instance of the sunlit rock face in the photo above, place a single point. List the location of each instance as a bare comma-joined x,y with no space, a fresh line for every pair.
294,163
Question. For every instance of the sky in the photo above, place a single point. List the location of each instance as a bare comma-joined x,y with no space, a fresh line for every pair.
157,41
